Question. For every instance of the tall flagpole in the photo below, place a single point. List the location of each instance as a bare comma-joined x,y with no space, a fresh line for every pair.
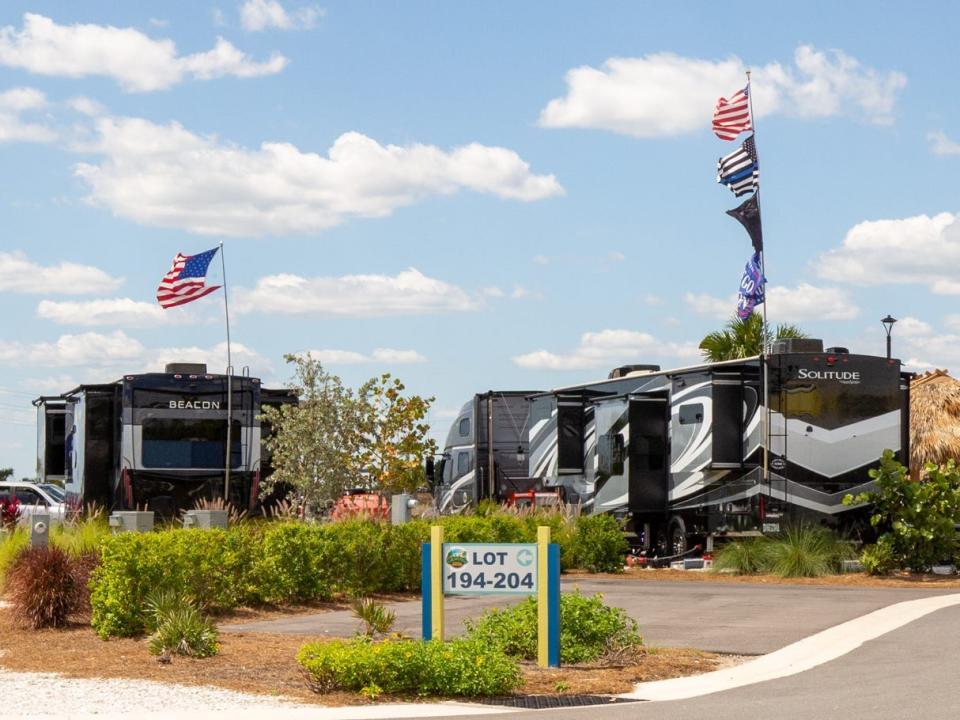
764,338
229,451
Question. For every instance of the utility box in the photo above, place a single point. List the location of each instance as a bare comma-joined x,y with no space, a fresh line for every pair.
206,519
131,521
39,530
400,508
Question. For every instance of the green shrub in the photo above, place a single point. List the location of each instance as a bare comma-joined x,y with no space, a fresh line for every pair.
293,564
13,541
376,619
600,544
588,629
916,519
801,551
177,626
879,559
81,537
463,667
743,557
807,551
44,588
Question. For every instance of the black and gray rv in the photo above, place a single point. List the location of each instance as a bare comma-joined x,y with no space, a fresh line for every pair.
462,476
680,454
155,440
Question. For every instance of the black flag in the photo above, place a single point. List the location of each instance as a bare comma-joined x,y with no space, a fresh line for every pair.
748,213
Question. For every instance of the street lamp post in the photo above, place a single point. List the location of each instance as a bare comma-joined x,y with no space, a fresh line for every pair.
888,322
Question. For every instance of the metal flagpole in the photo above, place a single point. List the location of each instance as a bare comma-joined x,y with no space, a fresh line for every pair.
229,451
764,335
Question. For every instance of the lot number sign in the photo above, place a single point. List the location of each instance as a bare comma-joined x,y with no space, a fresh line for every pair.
490,568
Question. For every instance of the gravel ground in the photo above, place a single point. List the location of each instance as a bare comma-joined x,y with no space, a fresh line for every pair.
50,695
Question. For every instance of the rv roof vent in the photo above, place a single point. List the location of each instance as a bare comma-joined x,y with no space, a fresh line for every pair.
187,368
625,370
838,350
788,346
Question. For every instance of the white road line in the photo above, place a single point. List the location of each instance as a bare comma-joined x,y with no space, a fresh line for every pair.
802,655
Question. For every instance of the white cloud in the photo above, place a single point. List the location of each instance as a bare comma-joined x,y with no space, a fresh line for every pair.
21,275
385,356
135,61
86,106
607,349
940,144
665,94
16,102
493,292
256,15
104,356
952,322
541,259
920,250
165,175
914,328
798,304
120,312
408,293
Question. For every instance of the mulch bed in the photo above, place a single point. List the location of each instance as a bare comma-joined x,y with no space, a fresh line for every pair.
265,664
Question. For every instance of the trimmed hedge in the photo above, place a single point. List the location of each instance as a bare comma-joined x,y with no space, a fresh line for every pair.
257,563
462,667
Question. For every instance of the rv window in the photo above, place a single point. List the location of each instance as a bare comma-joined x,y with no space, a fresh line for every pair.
691,414
570,438
463,463
182,443
464,427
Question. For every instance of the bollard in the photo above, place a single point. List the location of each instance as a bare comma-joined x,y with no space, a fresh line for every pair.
39,530
400,507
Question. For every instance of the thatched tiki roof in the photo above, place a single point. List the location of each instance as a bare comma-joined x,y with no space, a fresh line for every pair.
934,420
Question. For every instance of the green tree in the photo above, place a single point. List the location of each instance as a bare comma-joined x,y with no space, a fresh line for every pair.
917,519
315,443
5,474
394,441
743,338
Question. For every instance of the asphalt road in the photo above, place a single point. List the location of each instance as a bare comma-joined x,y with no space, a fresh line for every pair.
724,617
905,675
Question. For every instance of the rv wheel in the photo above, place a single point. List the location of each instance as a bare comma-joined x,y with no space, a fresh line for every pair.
678,536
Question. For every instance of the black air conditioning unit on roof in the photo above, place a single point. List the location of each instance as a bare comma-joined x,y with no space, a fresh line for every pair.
625,370
186,368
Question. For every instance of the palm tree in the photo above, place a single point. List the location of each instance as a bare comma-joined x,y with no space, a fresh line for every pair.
743,338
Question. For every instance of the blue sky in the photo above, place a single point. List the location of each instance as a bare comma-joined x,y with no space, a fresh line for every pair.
470,196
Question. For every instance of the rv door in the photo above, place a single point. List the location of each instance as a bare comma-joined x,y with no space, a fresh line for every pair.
647,454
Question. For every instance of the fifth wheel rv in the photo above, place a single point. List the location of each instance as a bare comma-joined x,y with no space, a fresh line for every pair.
680,454
156,440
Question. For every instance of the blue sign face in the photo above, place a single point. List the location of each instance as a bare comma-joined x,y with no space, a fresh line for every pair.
489,568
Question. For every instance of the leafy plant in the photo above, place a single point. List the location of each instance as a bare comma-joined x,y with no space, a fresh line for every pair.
743,557
376,619
588,629
43,587
81,535
12,543
182,629
9,512
600,543
916,518
806,551
463,667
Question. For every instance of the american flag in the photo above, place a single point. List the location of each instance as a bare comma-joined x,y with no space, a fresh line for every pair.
740,170
732,117
186,280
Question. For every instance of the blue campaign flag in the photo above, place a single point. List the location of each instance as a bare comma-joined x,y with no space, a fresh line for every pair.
751,288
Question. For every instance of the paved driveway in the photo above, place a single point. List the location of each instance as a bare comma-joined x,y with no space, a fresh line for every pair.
723,617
